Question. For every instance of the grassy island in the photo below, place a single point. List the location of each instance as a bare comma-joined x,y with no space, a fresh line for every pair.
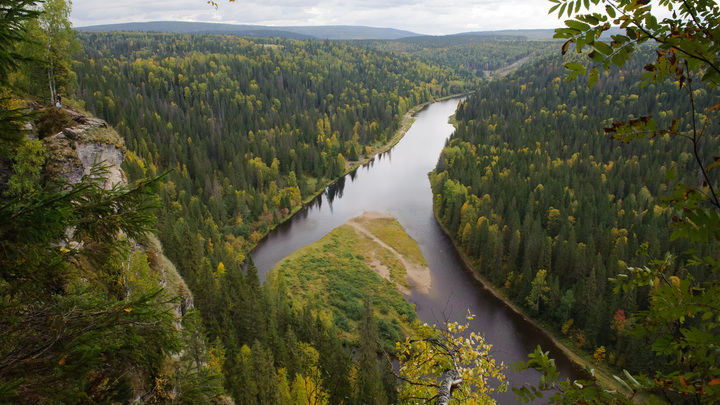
369,256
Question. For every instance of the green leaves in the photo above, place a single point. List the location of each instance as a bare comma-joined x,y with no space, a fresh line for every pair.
577,25
610,11
636,128
13,31
604,48
575,66
572,7
593,78
640,25
714,164
563,392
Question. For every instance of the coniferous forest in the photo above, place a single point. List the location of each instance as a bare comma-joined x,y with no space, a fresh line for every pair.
472,55
580,186
248,129
549,207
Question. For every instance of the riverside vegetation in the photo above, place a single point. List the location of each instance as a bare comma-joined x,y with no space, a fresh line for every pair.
251,127
353,277
529,186
573,224
114,335
363,258
549,218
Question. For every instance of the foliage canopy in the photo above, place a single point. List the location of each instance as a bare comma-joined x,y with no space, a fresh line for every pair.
681,320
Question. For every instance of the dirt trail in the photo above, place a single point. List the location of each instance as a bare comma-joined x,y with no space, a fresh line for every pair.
418,275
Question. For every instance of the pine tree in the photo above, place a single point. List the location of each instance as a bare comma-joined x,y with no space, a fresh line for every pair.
47,275
14,16
368,384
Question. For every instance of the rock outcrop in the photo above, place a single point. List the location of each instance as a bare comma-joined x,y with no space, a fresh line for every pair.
74,150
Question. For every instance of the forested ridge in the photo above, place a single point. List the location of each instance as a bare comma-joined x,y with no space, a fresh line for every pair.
548,207
249,127
472,55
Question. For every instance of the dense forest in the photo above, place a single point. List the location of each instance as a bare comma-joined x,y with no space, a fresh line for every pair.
549,207
542,186
249,128
472,55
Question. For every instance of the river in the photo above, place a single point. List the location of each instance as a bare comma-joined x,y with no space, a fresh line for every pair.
396,183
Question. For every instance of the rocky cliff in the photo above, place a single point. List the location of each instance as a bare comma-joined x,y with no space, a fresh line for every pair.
72,153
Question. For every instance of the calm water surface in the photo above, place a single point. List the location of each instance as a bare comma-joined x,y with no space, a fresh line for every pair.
396,183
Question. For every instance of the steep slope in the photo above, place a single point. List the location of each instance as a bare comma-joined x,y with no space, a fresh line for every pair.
548,207
74,152
92,309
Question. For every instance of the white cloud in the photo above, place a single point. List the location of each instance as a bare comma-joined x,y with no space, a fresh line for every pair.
421,16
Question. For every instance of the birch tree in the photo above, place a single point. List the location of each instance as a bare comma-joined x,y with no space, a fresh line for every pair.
59,42
448,366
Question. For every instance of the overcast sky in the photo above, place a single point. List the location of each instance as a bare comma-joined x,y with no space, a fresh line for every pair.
433,17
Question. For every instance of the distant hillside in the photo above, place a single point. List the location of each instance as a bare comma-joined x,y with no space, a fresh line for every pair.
419,42
416,43
341,32
465,38
530,34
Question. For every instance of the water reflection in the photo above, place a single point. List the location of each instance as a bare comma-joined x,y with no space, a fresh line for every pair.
335,190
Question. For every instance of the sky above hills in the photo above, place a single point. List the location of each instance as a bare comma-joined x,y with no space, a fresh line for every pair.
430,17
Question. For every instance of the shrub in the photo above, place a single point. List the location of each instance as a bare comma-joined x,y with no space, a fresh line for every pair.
53,120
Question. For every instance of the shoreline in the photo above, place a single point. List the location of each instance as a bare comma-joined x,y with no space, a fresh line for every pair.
600,376
603,378
417,275
407,121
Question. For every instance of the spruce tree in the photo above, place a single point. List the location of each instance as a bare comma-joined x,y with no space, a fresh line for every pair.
368,384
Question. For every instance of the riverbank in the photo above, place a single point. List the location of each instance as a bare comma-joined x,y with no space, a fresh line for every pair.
605,379
406,123
368,256
397,184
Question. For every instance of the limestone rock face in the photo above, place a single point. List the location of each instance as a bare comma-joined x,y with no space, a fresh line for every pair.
74,151
111,155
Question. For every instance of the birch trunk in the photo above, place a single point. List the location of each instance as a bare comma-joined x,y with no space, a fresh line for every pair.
449,381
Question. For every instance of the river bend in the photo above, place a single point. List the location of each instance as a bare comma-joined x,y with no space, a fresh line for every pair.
396,183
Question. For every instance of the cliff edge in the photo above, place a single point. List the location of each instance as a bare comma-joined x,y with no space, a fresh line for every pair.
71,154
